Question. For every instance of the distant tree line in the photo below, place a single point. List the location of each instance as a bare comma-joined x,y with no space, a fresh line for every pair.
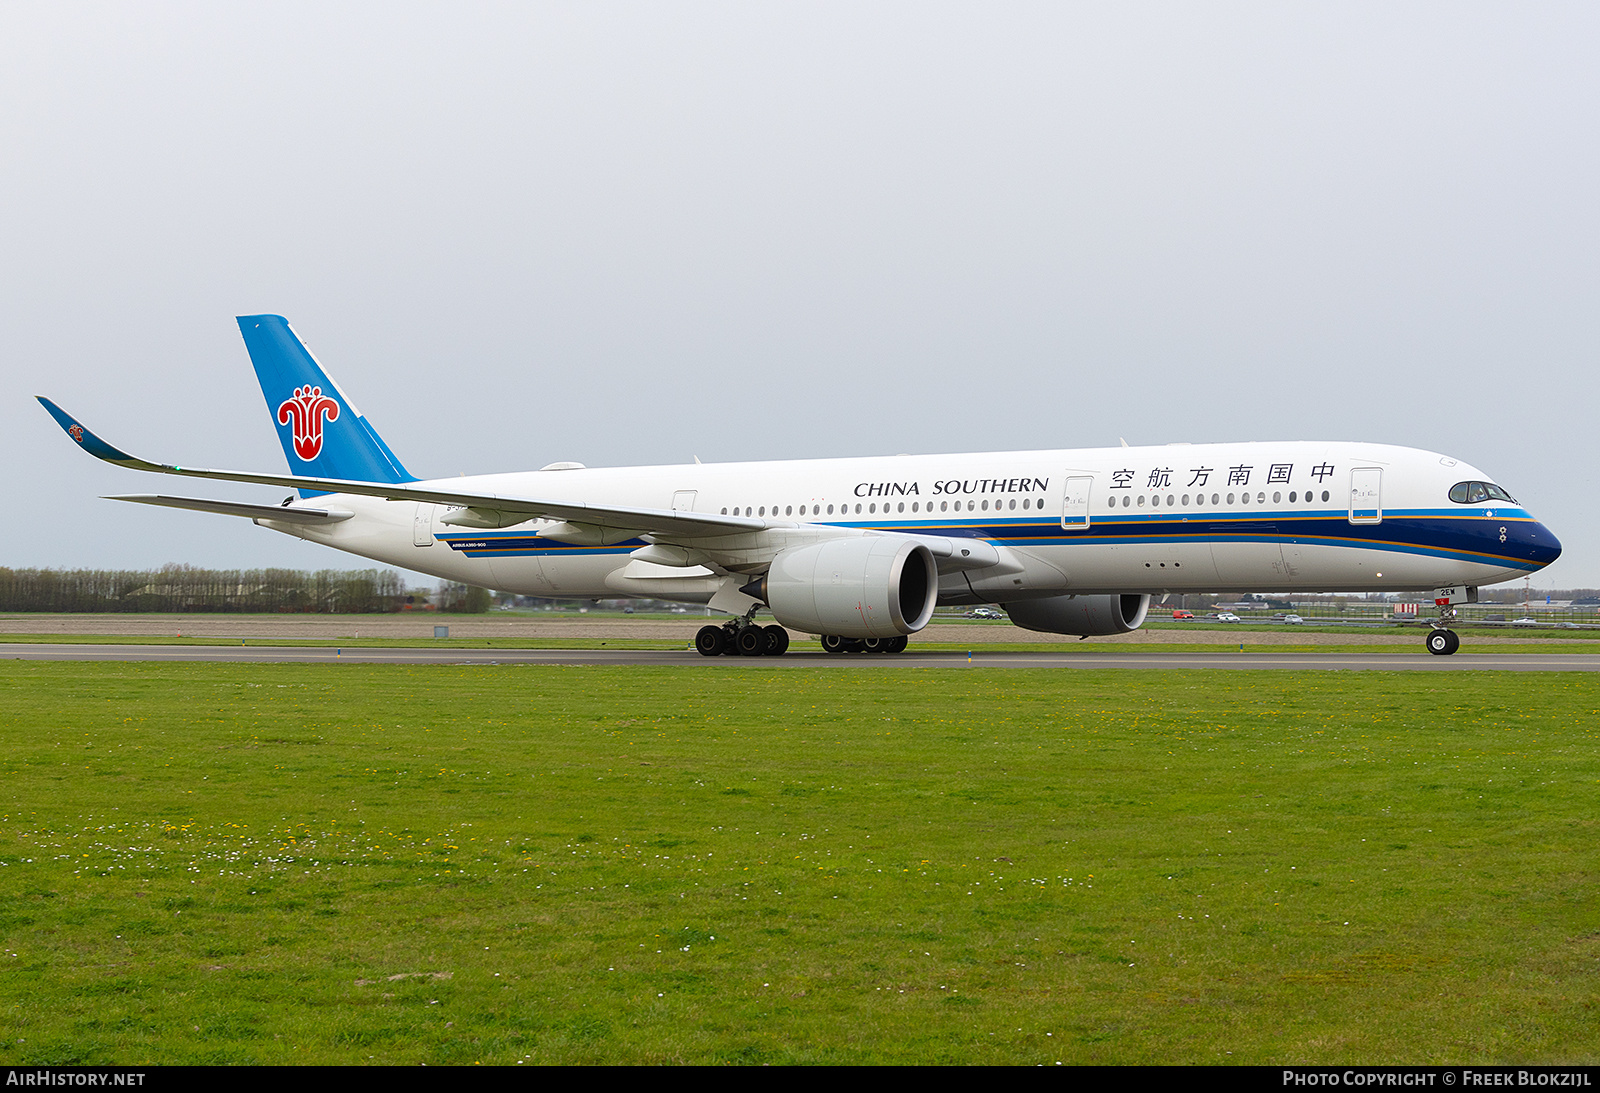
466,599
181,588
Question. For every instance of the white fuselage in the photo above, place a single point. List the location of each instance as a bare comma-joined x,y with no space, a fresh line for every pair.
1270,516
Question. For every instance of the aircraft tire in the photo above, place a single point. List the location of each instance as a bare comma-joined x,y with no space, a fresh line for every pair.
875,645
1441,643
833,643
751,642
897,645
710,641
777,641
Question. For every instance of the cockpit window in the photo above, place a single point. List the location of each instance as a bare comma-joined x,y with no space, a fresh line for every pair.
1475,493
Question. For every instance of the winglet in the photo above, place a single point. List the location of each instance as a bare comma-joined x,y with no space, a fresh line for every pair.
88,441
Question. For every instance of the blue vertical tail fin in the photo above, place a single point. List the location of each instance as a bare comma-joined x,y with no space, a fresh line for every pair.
322,432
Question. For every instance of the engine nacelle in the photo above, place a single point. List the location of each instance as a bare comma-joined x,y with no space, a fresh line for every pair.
1082,615
876,586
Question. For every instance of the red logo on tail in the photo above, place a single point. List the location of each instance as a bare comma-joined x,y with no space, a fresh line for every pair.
306,409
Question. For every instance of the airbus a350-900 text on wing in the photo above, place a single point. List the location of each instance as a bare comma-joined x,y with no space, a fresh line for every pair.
860,551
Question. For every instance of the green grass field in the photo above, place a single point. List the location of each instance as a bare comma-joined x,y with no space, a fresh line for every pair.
342,864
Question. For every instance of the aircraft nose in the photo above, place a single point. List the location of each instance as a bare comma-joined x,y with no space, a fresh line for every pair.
1534,542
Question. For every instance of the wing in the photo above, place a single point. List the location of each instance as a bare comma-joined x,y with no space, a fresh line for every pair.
487,506
603,523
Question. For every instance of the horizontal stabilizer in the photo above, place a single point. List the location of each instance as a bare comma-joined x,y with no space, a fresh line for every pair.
281,513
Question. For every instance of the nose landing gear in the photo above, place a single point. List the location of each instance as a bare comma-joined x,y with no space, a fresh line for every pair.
1442,641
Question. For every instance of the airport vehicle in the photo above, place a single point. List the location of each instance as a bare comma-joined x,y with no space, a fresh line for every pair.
859,551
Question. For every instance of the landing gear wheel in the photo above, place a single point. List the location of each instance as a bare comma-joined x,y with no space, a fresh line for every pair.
897,645
855,645
777,640
751,642
1441,643
711,641
833,643
874,645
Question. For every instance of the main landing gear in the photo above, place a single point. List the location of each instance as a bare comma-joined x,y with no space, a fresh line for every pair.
832,643
741,638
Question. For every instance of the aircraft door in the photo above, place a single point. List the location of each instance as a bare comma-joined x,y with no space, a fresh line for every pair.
1075,503
1366,495
422,525
683,500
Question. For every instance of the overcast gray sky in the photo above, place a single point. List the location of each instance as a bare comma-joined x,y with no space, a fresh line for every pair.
635,233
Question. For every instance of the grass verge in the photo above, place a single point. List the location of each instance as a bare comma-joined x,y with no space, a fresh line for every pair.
343,864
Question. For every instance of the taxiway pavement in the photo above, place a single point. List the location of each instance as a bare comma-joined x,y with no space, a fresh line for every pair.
1088,658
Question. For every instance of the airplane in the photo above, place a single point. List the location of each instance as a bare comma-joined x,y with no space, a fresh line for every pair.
860,551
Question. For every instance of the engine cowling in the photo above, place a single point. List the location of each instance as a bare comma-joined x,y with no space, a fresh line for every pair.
873,587
1082,615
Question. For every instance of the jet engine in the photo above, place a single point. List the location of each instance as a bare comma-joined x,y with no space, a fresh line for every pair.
1082,615
876,586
